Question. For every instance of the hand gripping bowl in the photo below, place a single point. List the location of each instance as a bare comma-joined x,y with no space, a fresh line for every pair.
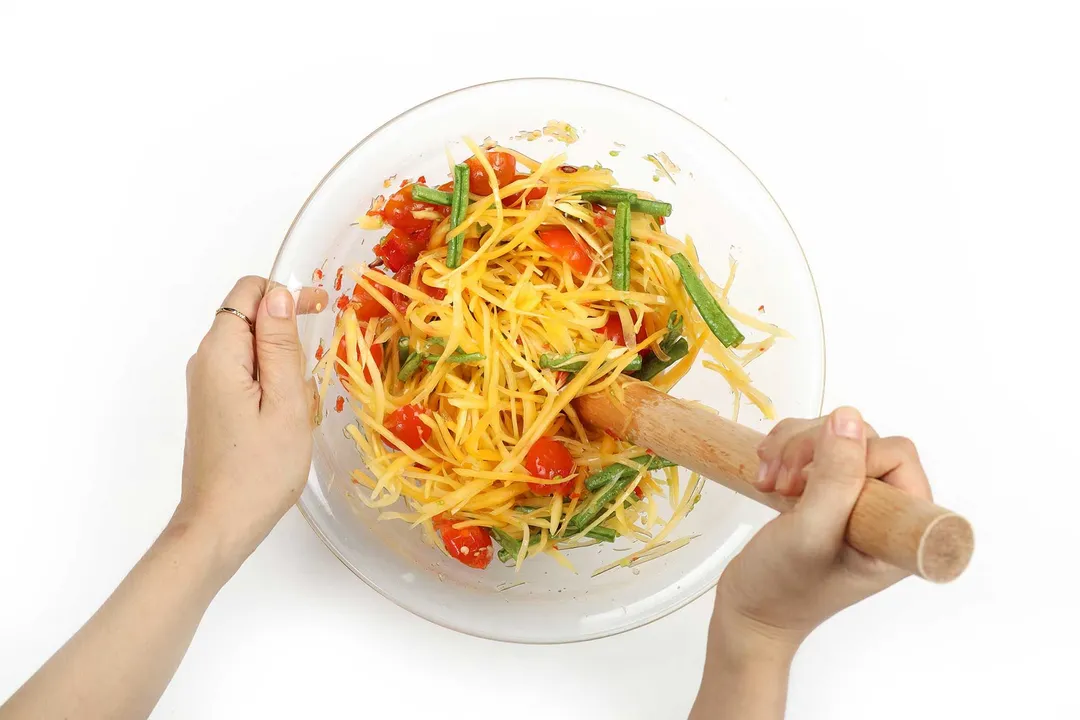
717,200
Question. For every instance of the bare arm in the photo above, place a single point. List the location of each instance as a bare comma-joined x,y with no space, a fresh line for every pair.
119,663
798,571
245,462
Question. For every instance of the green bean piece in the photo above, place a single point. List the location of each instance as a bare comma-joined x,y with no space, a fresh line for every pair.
412,364
602,534
457,214
620,261
711,312
653,366
641,205
608,197
597,504
403,351
422,193
651,207
613,472
512,546
458,357
504,557
569,363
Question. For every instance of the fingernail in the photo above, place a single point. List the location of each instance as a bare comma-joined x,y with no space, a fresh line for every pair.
846,422
783,480
277,303
763,470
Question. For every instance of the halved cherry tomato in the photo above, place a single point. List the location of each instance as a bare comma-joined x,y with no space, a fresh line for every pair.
470,546
398,211
404,276
613,330
399,248
536,193
549,459
406,425
504,165
568,247
367,307
343,355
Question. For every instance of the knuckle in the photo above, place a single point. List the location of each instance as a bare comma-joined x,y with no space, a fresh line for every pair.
253,282
277,343
906,447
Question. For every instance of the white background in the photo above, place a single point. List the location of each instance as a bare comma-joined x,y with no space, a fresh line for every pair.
927,158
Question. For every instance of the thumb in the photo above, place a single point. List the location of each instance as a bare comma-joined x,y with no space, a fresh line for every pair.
836,475
277,350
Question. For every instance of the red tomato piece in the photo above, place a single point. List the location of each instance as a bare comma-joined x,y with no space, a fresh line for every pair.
639,492
549,459
399,248
536,193
343,355
568,247
365,305
613,330
504,165
398,211
406,425
470,546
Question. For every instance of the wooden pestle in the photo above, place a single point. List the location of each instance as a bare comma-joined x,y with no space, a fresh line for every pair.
910,533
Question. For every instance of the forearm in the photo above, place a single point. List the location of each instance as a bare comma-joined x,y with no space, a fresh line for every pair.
745,676
119,663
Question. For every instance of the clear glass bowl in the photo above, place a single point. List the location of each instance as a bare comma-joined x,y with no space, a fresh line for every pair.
717,200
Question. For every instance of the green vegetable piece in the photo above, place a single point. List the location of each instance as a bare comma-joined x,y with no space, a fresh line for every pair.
602,534
617,471
457,214
608,197
653,366
614,197
422,193
458,357
597,504
620,261
711,312
651,207
403,351
412,364
571,363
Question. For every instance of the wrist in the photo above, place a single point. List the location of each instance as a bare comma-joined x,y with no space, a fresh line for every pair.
202,543
742,639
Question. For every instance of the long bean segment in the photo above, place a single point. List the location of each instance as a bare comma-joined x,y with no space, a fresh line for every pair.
614,197
458,206
510,547
422,193
620,259
653,366
403,351
614,472
711,312
573,362
412,364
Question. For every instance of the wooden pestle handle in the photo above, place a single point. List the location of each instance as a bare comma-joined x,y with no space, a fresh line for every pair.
908,532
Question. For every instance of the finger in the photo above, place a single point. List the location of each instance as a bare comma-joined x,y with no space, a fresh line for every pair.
772,446
797,455
309,300
796,458
896,461
836,477
277,345
244,297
